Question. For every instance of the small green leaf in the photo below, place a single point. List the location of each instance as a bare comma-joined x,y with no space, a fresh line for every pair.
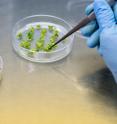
38,27
30,34
51,28
19,36
44,31
32,52
25,44
39,45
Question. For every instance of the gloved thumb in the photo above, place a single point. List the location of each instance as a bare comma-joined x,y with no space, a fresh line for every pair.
104,14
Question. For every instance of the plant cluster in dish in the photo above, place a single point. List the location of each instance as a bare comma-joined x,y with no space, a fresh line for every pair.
39,44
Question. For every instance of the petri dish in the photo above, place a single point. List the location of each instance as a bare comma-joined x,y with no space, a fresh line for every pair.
63,49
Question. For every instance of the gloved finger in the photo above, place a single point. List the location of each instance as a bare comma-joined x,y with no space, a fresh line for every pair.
93,41
104,14
115,10
89,29
89,9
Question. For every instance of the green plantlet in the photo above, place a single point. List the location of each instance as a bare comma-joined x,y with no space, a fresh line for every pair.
30,34
32,52
44,31
41,40
39,45
47,48
38,27
56,33
52,40
25,44
19,36
51,28
54,36
31,29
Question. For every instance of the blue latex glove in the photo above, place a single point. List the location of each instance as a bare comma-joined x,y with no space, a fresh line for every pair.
105,37
91,31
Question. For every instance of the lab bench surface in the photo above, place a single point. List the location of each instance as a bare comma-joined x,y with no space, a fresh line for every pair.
76,90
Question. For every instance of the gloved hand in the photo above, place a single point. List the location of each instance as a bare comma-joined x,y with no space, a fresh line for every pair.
104,36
